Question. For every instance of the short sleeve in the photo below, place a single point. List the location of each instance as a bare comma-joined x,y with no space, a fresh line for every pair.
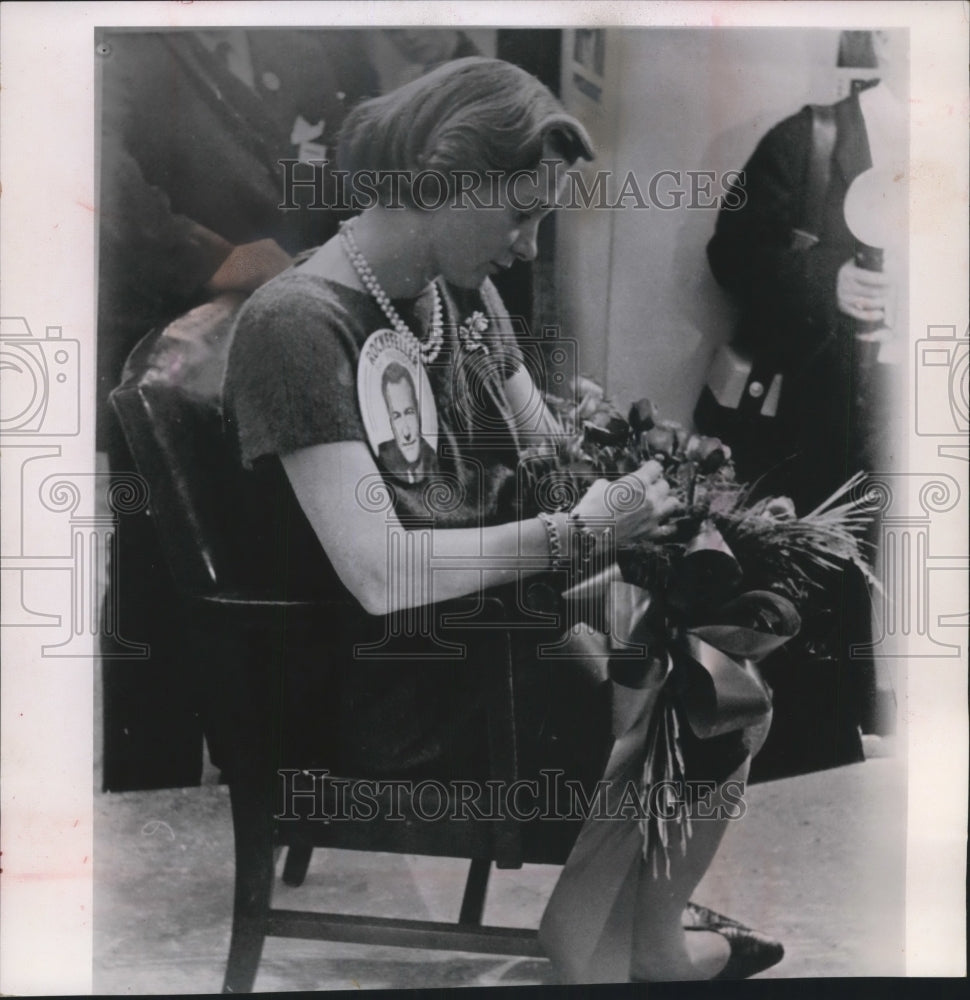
291,374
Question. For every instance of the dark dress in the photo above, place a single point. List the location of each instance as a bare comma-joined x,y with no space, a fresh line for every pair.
291,383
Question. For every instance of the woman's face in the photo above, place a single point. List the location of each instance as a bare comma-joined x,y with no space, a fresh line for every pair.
473,241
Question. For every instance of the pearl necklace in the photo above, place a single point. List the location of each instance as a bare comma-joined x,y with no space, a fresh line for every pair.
427,352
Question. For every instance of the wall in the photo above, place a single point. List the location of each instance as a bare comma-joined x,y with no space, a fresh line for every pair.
634,283
393,66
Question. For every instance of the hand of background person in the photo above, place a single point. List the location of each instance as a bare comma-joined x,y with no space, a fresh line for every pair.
861,294
638,505
248,266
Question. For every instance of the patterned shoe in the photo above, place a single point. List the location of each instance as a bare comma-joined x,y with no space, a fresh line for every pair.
751,952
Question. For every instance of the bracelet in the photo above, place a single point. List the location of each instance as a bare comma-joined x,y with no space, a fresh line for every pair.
584,547
582,552
555,540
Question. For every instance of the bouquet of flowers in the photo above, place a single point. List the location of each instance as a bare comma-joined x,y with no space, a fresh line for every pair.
777,550
724,589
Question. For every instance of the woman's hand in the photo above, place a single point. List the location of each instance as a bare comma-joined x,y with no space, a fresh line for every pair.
862,294
638,505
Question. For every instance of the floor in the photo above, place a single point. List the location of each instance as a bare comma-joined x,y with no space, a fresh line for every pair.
817,862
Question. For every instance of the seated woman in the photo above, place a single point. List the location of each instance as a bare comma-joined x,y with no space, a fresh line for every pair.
404,292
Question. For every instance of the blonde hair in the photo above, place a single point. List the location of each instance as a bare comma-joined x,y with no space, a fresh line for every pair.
473,115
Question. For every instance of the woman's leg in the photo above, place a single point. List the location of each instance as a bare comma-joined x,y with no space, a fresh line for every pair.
662,949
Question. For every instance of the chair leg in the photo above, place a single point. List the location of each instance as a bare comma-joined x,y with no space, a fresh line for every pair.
473,901
253,834
297,863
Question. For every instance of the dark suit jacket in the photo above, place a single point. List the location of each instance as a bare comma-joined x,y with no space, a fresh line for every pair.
789,319
790,323
391,459
788,296
189,164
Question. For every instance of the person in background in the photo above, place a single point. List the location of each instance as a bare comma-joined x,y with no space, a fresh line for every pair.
803,304
193,126
400,55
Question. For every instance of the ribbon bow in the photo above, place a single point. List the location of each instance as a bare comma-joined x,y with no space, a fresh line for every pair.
714,635
719,634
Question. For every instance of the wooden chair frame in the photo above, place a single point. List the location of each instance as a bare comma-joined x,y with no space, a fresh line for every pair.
171,444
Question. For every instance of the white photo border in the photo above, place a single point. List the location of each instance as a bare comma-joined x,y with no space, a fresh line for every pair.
48,256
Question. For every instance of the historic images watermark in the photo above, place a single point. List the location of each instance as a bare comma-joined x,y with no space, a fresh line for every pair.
429,190
41,390
943,373
56,521
316,794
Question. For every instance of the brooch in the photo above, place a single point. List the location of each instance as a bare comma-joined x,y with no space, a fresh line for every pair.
470,332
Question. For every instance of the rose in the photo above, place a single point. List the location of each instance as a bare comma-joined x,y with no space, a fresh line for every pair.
696,448
680,435
659,441
643,415
708,453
